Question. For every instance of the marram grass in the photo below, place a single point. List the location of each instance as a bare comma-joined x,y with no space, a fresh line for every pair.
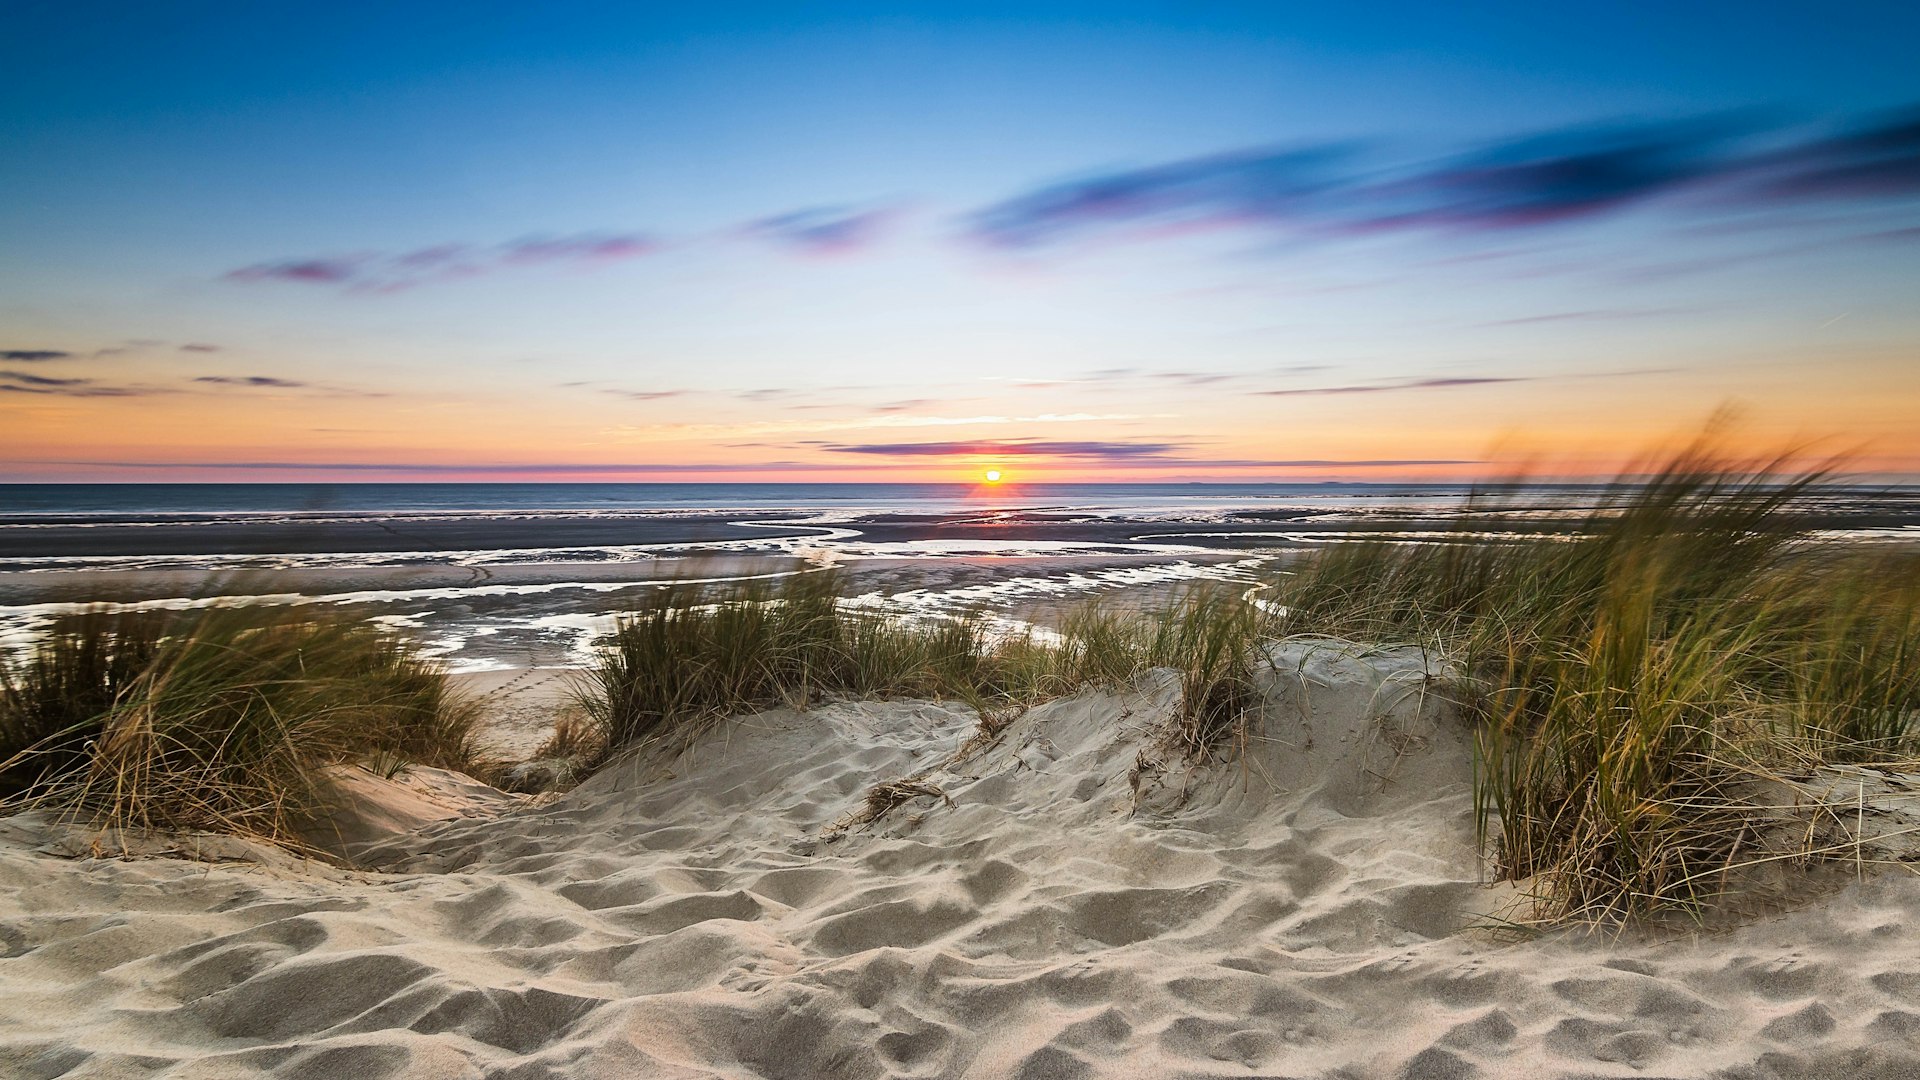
1630,683
691,658
217,719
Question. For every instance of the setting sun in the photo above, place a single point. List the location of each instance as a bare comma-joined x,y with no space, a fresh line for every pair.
993,476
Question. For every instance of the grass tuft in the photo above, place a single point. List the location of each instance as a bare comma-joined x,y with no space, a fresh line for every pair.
691,659
216,719
1632,676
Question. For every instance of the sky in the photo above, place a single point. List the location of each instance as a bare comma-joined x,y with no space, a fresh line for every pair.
824,242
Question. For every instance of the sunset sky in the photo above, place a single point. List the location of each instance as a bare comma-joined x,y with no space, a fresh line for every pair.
836,242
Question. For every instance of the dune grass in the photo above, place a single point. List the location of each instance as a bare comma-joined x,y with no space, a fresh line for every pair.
1632,679
691,658
217,719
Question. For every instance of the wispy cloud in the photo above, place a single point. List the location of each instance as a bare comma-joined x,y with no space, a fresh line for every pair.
33,356
824,230
388,272
264,381
783,393
769,393
1591,315
1559,176
556,469
20,382
1012,448
1352,187
30,379
1873,160
1390,387
784,427
1116,455
1194,378
1553,177
199,347
337,271
1320,463
1246,185
506,469
643,395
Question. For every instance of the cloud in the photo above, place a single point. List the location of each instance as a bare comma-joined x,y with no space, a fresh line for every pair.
1324,463
267,381
645,395
1119,455
1194,378
1012,448
196,347
390,272
882,420
306,271
1242,186
1873,160
586,247
1554,317
33,356
1554,177
1332,189
1405,384
538,469
511,468
40,380
19,383
825,230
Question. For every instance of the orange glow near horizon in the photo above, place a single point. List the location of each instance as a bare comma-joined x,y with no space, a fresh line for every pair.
399,430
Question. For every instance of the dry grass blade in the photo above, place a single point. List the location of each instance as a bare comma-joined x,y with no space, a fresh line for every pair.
882,799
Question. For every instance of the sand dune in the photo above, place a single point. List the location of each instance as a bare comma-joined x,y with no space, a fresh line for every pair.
1069,901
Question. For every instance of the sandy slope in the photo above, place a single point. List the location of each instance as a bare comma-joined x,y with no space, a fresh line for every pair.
1083,908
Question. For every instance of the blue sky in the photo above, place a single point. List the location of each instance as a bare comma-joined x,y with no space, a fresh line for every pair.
839,242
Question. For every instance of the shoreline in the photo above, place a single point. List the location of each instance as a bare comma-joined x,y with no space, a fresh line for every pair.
543,614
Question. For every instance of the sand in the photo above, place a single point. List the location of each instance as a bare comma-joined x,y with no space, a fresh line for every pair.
519,706
1067,902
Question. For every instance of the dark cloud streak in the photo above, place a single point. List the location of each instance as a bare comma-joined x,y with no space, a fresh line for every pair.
391,272
537,469
1020,448
646,395
1408,384
827,230
264,381
29,379
1559,176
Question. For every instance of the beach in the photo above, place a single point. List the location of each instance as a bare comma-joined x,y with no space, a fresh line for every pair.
1316,910
1096,878
959,542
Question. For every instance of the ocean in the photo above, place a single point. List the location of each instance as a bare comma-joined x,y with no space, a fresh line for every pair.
493,575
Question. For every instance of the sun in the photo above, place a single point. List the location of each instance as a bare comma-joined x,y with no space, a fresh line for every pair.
993,476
